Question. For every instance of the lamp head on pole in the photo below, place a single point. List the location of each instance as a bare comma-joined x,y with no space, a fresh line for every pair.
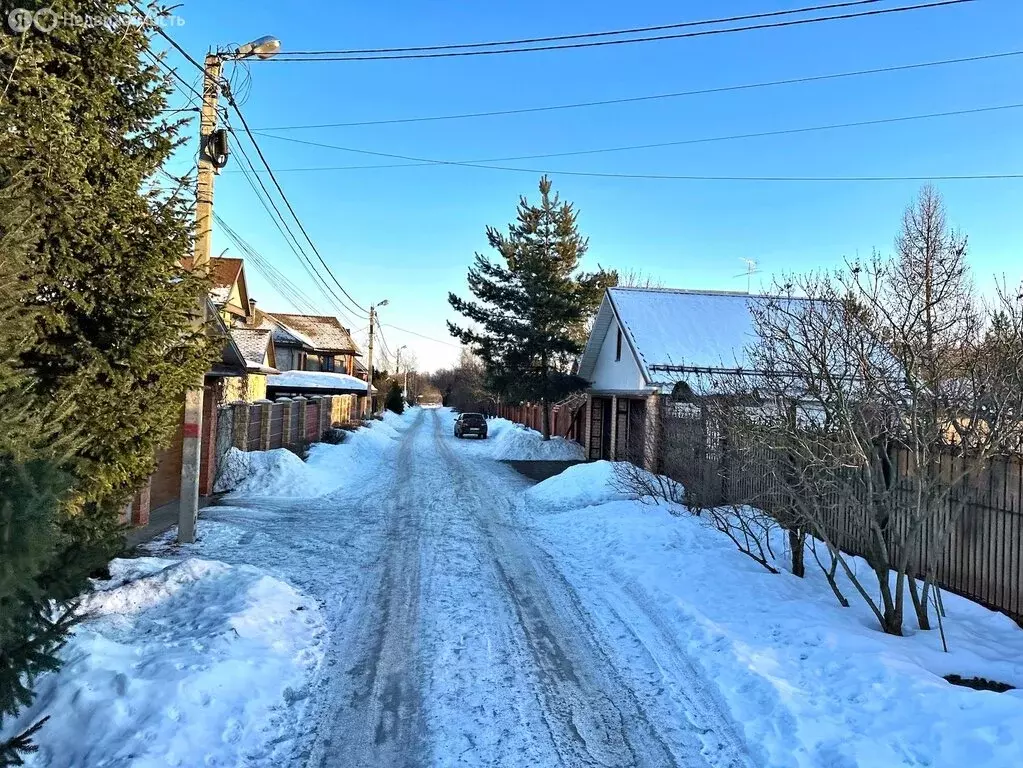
263,48
383,303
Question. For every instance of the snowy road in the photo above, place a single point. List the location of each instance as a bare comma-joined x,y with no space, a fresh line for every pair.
456,639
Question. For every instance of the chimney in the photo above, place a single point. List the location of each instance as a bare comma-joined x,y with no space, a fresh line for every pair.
251,319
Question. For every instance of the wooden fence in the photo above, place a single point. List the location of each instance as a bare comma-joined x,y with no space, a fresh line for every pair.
982,553
566,416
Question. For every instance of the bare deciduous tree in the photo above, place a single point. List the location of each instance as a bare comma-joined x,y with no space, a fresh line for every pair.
887,398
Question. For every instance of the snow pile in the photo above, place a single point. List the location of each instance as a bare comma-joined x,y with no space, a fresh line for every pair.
281,473
516,442
278,472
808,682
180,663
583,485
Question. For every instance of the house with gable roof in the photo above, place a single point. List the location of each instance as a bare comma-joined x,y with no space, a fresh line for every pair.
648,345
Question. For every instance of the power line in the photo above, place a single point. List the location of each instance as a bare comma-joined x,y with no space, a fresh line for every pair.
266,165
280,190
654,97
277,279
586,35
329,56
289,237
174,44
681,142
421,335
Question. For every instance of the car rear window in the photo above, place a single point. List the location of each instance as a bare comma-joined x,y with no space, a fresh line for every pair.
473,419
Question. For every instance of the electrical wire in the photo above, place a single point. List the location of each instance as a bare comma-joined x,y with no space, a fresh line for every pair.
307,56
422,335
682,142
263,194
295,295
653,97
280,190
587,35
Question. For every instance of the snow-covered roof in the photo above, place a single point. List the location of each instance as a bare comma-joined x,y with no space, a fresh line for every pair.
324,380
253,343
695,330
318,332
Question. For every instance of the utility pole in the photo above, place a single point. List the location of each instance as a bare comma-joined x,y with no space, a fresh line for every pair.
191,426
369,361
212,156
404,387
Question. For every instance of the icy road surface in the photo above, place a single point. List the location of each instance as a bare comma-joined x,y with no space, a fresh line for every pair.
455,639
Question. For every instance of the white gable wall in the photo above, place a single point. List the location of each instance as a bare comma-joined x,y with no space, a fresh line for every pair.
611,374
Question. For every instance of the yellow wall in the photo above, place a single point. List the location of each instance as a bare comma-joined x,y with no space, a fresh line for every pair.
250,388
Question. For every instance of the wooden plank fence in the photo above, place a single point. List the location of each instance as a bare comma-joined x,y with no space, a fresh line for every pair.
566,416
981,557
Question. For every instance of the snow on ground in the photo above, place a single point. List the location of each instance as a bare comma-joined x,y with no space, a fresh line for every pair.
812,684
180,663
281,473
507,440
198,658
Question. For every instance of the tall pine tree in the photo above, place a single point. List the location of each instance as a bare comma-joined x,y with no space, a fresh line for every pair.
36,590
114,335
96,344
532,303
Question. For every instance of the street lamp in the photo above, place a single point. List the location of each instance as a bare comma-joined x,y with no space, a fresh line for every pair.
264,48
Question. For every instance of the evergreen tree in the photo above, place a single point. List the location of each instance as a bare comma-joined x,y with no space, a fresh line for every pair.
96,341
394,401
532,304
35,588
114,335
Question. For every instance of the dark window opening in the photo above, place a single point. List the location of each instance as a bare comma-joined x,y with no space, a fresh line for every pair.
618,346
327,363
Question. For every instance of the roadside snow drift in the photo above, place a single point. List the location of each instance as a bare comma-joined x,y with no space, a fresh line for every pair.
583,485
507,440
812,684
180,663
281,473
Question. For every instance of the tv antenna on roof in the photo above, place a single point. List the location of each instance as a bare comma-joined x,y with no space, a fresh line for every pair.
751,269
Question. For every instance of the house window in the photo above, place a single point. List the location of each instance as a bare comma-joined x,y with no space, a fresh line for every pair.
301,361
618,346
327,363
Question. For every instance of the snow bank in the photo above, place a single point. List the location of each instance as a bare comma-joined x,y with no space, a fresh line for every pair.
508,440
281,473
582,485
180,663
272,473
811,684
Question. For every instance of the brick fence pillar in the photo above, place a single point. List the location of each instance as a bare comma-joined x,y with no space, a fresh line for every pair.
265,407
326,411
287,407
652,433
240,430
303,405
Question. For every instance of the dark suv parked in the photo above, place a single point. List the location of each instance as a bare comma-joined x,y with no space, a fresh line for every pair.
471,424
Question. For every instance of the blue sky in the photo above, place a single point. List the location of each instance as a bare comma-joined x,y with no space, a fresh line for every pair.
408,234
